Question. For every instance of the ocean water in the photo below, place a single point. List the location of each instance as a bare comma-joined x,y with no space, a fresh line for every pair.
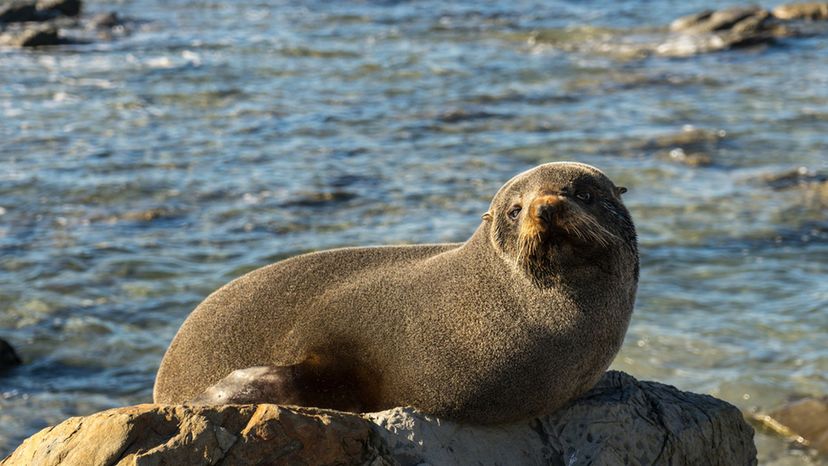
138,175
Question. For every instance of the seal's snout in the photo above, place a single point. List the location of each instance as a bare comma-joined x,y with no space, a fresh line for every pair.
547,208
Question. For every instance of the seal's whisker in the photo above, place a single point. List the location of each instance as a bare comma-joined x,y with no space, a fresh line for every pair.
595,230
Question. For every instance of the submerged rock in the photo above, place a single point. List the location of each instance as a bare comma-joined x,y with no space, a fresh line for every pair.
694,147
320,199
710,20
18,11
62,7
711,31
147,215
798,178
620,421
34,23
813,185
34,36
107,20
13,12
8,356
803,421
810,11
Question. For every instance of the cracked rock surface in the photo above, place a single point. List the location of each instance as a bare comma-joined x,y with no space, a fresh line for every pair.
620,421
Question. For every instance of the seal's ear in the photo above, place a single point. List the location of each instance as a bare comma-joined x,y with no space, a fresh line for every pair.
619,191
487,216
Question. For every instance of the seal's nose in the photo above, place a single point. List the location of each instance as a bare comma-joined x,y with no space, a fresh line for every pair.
547,207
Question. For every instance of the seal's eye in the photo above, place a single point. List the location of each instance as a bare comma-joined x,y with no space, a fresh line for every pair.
514,212
584,196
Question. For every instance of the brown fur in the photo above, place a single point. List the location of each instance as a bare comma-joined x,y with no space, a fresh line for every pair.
518,320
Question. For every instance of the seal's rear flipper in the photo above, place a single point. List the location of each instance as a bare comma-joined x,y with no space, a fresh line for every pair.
305,384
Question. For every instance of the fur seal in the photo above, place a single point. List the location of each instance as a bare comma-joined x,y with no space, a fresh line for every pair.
524,316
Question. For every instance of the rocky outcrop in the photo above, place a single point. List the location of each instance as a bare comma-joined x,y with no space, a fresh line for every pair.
32,36
14,12
620,421
41,10
710,31
37,23
695,147
741,26
60,7
8,357
706,31
722,20
811,184
809,11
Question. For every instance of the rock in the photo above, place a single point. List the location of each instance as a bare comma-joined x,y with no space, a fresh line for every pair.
810,11
237,434
710,21
804,421
813,186
687,22
18,11
105,21
459,115
234,434
148,215
691,146
620,421
8,357
751,29
35,36
689,138
320,199
711,31
801,177
62,7
693,159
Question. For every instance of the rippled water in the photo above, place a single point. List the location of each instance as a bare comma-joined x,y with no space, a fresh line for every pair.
137,176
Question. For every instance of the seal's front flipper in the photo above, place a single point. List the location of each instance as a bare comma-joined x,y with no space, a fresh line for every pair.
305,384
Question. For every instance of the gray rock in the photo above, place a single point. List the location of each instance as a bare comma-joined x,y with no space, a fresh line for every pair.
710,21
712,31
35,36
693,147
687,22
813,11
60,7
18,12
105,21
798,178
621,421
8,357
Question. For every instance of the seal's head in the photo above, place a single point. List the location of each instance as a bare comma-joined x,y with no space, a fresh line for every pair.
560,215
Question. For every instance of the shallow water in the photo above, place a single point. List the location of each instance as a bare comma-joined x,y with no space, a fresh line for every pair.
137,176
